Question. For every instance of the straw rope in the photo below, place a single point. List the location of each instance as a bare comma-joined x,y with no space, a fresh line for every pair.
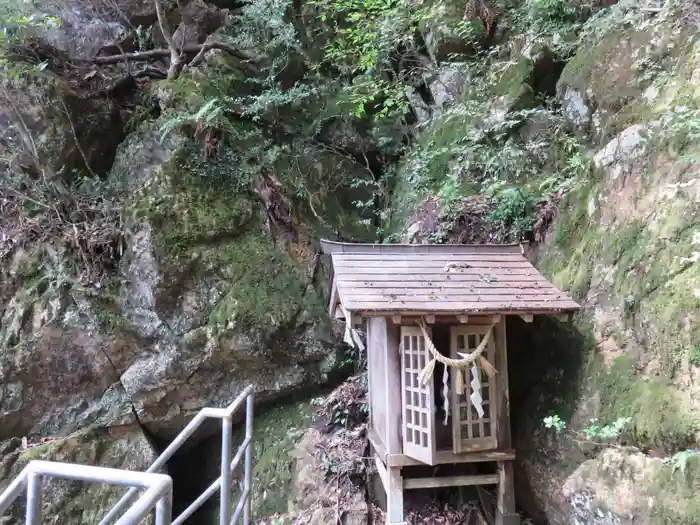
466,361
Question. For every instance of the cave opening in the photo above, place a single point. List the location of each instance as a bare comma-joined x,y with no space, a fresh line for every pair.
545,74
194,467
197,464
546,359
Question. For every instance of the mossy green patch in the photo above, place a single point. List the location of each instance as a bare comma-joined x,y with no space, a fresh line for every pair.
604,70
573,220
695,355
674,491
196,201
570,263
659,418
206,221
635,112
513,82
675,310
277,434
267,288
580,70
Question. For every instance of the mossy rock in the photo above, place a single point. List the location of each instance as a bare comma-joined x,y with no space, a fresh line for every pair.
623,486
640,280
278,433
56,117
611,72
442,32
208,224
659,418
674,490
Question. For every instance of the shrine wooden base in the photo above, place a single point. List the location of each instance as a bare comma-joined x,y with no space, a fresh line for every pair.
390,469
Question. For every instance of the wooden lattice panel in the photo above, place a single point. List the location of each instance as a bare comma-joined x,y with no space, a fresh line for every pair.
418,405
470,431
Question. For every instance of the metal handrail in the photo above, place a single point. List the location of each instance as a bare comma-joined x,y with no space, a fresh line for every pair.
228,465
159,489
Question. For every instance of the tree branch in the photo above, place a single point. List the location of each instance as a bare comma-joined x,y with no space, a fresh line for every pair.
152,54
174,69
75,138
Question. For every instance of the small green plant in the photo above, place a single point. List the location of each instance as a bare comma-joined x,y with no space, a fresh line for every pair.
594,432
513,209
606,432
695,354
555,422
679,461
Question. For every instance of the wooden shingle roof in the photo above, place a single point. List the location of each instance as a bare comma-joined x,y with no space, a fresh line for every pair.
440,278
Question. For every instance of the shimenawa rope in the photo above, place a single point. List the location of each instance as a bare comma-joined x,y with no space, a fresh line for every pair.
464,362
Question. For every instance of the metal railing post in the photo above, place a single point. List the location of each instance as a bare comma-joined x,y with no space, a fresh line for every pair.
34,500
186,433
159,487
248,472
164,509
226,456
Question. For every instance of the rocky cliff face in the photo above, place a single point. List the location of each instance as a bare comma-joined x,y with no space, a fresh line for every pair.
626,242
622,238
172,279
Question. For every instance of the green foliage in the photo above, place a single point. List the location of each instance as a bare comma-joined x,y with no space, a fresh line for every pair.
621,14
558,15
17,23
695,354
554,422
606,432
368,34
471,149
674,489
513,209
657,417
594,432
679,127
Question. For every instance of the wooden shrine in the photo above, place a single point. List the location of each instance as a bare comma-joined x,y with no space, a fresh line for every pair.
435,320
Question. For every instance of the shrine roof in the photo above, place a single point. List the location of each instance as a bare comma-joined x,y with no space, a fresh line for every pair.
384,279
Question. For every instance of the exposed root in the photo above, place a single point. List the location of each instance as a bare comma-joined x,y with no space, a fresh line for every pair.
90,228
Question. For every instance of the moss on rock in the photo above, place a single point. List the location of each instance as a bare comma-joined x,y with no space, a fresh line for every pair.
613,68
267,289
626,487
659,417
278,433
673,491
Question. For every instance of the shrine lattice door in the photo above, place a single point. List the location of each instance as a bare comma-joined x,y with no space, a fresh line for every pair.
472,430
418,404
